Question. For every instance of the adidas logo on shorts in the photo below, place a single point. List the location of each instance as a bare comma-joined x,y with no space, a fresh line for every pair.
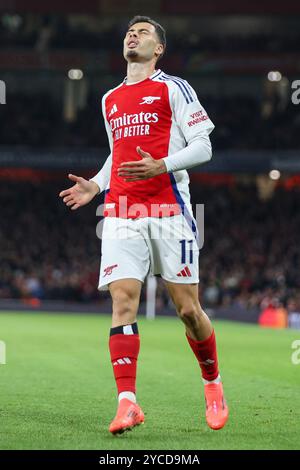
185,272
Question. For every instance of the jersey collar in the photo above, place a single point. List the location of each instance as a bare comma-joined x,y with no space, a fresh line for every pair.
154,75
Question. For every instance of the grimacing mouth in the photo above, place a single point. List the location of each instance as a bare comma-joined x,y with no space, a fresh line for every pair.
132,43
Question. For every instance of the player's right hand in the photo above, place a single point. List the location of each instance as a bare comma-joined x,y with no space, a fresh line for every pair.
80,194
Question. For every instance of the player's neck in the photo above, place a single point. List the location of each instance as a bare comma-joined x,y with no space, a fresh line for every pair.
136,72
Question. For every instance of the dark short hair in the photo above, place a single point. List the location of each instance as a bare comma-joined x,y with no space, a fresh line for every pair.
160,31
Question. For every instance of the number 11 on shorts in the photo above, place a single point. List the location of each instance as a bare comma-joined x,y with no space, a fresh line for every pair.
186,251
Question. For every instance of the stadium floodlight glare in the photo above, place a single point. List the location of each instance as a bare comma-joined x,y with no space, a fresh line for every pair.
75,74
274,174
274,76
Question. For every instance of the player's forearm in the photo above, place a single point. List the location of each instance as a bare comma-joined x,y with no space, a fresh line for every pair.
197,152
103,176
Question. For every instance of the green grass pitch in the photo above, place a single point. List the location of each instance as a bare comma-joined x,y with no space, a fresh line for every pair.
57,389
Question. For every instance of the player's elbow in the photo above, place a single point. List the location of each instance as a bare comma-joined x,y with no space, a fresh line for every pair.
205,148
209,152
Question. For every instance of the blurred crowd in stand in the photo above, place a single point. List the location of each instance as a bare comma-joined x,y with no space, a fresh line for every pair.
63,32
242,122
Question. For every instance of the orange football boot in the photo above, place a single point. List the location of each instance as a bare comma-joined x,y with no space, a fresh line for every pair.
216,407
128,416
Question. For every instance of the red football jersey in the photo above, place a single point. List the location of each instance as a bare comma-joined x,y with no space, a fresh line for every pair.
162,115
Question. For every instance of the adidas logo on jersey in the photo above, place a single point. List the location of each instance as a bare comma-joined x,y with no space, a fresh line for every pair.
149,99
185,272
113,110
120,362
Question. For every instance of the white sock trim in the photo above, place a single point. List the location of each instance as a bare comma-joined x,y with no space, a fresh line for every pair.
215,381
129,395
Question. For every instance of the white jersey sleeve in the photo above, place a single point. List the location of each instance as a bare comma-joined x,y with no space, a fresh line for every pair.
189,113
195,125
102,178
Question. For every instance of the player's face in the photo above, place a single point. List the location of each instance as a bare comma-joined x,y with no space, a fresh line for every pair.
141,43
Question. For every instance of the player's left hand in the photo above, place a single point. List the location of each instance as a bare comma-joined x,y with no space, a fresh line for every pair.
142,169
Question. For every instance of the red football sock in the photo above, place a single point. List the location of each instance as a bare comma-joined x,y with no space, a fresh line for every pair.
206,353
124,346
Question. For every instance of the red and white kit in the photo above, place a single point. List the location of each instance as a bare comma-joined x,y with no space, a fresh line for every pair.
149,225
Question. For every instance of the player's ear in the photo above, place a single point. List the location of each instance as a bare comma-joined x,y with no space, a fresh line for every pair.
159,49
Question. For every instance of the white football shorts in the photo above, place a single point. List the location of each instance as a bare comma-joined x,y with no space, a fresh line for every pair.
134,248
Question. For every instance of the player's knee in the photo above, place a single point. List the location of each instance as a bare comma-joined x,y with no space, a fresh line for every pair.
189,313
